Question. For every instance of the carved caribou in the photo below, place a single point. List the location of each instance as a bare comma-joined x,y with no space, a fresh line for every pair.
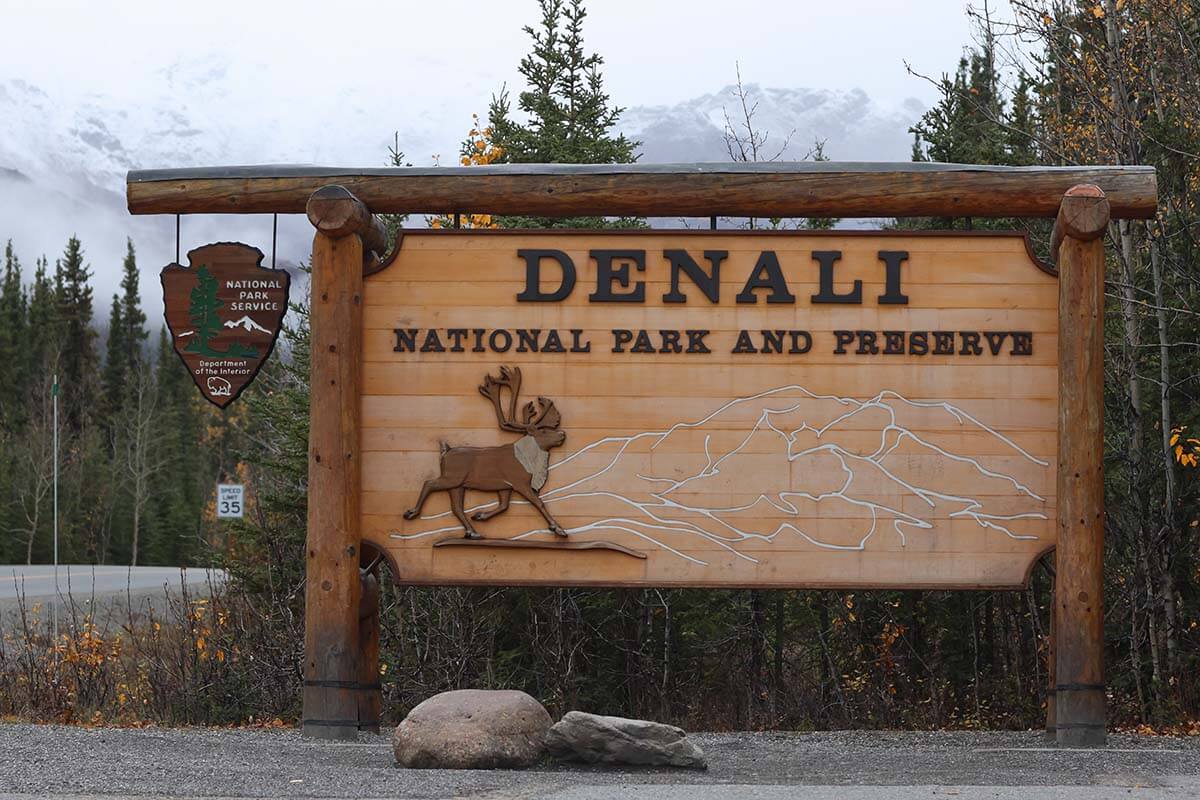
520,467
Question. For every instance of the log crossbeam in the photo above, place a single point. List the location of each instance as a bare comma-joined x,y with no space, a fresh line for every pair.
783,189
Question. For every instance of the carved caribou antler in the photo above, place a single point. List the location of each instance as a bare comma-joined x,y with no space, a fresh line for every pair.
491,388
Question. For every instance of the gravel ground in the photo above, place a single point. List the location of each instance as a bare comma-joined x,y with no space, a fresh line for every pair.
42,761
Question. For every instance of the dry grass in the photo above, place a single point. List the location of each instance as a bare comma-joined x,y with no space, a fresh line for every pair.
183,659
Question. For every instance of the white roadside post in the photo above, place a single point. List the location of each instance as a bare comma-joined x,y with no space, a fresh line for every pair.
54,604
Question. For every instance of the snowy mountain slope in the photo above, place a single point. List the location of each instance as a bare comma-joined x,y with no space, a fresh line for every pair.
64,154
852,125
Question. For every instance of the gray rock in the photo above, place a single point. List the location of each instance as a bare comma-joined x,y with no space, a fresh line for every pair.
472,729
597,739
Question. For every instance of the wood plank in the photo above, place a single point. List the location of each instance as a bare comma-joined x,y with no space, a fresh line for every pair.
387,506
822,570
925,266
734,240
789,189
377,361
594,319
946,382
383,470
431,294
450,412
420,440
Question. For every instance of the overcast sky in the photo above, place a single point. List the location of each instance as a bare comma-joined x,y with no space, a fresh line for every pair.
327,82
657,51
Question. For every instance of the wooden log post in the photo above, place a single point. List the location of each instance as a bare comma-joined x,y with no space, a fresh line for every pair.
1079,568
332,662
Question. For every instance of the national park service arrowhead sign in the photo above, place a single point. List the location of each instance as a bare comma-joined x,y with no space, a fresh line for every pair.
224,311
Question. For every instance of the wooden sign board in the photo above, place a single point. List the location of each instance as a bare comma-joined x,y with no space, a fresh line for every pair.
224,312
734,409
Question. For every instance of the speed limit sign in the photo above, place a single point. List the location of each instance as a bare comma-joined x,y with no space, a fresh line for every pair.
229,501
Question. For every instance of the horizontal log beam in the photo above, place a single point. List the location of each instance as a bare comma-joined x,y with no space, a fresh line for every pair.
790,189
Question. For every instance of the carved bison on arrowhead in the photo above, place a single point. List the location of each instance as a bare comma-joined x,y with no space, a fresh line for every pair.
219,387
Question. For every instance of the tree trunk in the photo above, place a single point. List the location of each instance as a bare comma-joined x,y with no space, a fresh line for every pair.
33,526
1167,586
777,669
758,658
1135,648
134,550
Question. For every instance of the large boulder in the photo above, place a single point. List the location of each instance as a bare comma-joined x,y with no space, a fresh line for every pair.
472,729
597,739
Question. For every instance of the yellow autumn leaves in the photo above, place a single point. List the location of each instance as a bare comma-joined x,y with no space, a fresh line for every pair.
478,150
1185,448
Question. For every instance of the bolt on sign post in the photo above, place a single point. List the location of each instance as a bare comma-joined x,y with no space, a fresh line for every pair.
690,408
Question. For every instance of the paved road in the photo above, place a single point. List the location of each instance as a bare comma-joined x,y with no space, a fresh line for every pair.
49,761
84,583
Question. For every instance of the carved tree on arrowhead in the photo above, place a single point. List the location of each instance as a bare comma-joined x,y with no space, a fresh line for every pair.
203,313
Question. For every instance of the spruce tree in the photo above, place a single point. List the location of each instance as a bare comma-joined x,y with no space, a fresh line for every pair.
43,320
14,339
126,336
14,391
80,367
570,118
179,489
974,123
1021,136
115,371
133,319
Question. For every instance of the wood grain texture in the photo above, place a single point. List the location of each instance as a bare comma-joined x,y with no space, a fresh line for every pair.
724,469
336,212
332,585
1079,590
1083,215
827,189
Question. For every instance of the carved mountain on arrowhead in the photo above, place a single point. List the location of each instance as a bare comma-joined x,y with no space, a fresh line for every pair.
246,324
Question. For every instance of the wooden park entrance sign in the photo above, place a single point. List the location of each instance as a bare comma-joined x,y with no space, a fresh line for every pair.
696,408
